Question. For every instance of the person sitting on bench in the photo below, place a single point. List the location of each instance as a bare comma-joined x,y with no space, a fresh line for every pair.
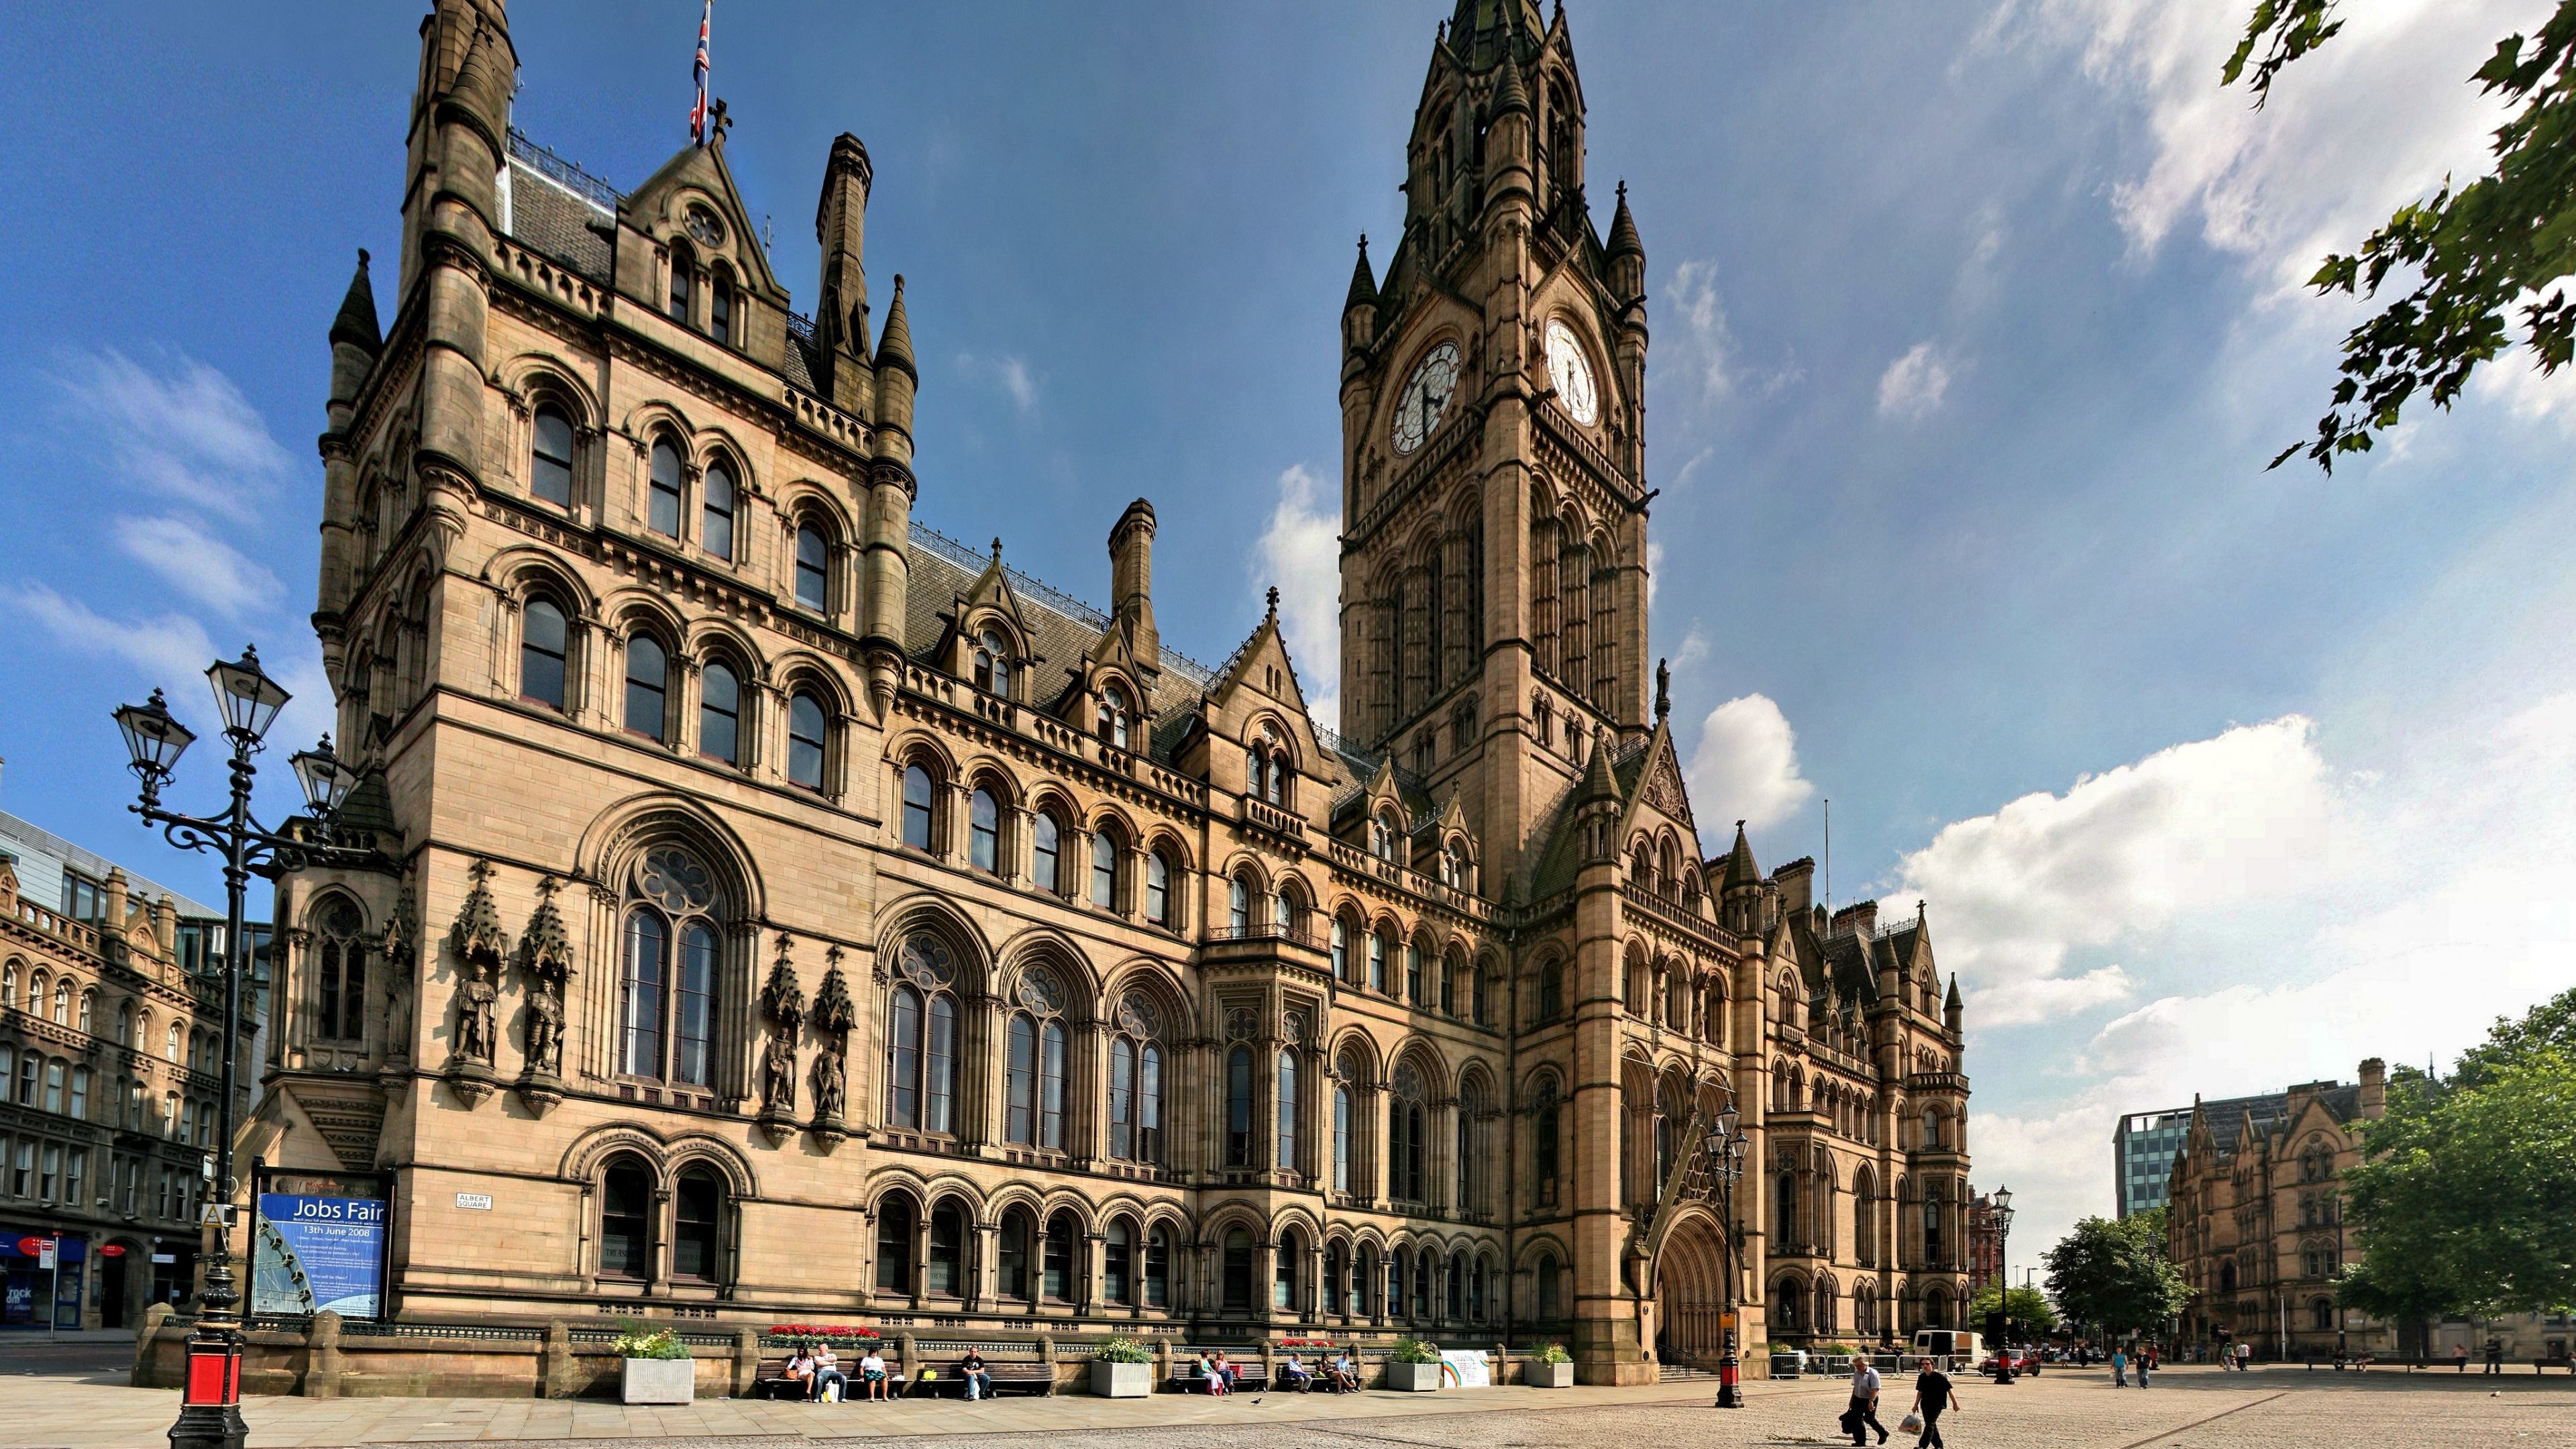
1346,1375
827,1374
800,1370
1300,1377
1212,1373
872,1370
979,1379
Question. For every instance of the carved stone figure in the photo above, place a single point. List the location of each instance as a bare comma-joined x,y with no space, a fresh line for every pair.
474,1004
829,1085
778,1075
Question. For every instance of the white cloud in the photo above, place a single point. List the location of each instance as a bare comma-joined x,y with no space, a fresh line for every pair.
2322,915
1913,385
1005,371
1746,763
1711,344
1654,567
185,432
170,649
1301,552
2513,380
2197,827
200,565
2374,119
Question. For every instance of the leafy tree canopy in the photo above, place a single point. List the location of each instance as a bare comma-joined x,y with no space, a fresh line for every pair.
2477,253
2026,1306
2114,1273
2467,1186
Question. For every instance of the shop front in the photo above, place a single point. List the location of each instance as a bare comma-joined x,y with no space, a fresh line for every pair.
47,1277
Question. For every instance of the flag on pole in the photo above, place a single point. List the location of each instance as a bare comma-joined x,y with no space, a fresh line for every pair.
698,112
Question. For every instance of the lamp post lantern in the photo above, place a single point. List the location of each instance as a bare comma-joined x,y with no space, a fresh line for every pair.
1724,1147
247,700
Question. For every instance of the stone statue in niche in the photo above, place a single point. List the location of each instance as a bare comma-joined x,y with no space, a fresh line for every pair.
782,1000
835,1014
830,1085
481,946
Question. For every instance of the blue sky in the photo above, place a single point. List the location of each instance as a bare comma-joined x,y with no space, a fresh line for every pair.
1973,326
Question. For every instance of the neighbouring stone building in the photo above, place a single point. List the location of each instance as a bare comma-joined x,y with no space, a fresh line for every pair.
2255,1221
110,1075
804,917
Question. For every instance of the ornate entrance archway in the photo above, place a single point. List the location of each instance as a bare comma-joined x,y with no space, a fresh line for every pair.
1690,1291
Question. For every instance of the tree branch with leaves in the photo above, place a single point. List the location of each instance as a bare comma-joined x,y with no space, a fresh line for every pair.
2479,254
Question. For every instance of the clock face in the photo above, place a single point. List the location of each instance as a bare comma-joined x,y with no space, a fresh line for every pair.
1426,396
1572,373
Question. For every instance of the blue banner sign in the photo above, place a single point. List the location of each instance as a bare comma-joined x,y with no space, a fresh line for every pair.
313,1253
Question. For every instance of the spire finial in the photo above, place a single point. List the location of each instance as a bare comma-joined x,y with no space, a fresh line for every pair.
997,548
362,259
1274,601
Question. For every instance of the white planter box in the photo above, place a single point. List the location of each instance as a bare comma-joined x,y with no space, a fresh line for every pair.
1548,1375
659,1380
1413,1378
1121,1380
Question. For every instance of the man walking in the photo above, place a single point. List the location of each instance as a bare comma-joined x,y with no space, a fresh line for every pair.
2146,1361
2119,1368
1863,1414
1932,1394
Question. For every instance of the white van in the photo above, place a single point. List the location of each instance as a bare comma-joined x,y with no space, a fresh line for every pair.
1961,1348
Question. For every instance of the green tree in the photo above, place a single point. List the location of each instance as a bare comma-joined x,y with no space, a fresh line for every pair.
2466,1188
2026,1306
2114,1273
2477,253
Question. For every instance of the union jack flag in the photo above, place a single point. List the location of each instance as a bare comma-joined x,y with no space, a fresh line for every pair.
698,112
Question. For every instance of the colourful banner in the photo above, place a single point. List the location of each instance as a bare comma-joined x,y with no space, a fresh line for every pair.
313,1253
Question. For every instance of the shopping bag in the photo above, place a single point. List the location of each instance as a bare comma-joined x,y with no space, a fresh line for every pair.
1912,1424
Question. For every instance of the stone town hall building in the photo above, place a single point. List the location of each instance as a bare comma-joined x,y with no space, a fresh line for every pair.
806,918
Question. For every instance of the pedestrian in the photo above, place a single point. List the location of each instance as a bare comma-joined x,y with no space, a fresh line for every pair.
2119,1368
2495,1356
1932,1394
2245,1357
2146,1361
1864,1404
2460,1356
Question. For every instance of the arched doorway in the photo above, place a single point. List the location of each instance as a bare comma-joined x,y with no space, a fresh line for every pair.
1690,1292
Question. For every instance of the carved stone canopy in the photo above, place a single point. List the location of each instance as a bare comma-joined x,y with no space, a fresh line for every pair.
477,933
545,951
834,1012
783,998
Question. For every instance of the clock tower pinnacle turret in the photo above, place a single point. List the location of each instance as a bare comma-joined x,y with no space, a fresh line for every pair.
1493,478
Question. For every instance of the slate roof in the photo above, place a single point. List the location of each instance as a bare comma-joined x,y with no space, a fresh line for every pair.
550,217
1061,629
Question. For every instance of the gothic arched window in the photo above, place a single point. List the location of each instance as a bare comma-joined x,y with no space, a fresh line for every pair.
662,513
921,1037
1376,962
1238,1270
1046,852
1104,870
681,264
1286,1155
648,683
720,310
541,654
1158,890
1238,1107
697,1216
984,831
1545,1126
916,807
340,961
1014,1251
992,664
715,511
1341,1138
813,567
1113,716
1034,1080
1405,1147
1341,944
667,986
895,1217
720,714
625,1219
807,736
1136,1082
550,457
1238,906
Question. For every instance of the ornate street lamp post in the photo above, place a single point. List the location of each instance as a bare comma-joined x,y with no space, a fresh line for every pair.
248,700
2002,1201
1725,1146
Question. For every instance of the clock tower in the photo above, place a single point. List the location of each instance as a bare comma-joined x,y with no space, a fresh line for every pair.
1493,456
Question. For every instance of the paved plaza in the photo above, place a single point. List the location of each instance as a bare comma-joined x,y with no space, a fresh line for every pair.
73,1397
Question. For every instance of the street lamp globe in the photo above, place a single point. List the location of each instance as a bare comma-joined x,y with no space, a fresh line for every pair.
153,738
326,781
1727,1119
248,698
